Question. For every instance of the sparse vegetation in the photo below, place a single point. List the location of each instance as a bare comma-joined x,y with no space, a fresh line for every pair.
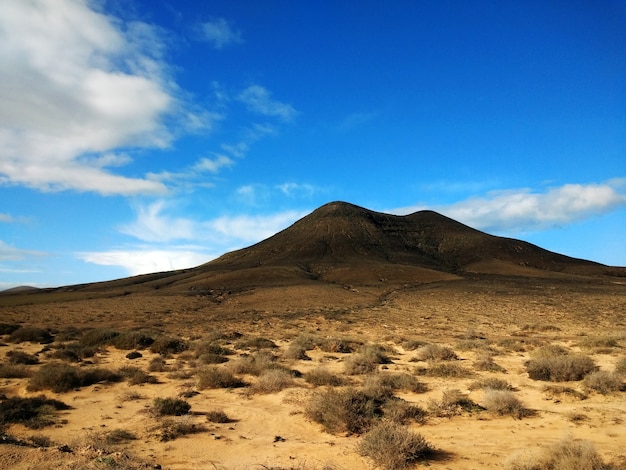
62,377
31,334
217,377
20,357
392,446
322,376
165,345
559,367
255,343
491,383
450,370
486,363
436,352
505,403
453,402
603,382
33,412
135,376
567,454
170,407
218,416
385,383
272,381
170,429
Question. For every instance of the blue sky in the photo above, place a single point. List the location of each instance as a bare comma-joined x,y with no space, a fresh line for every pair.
140,136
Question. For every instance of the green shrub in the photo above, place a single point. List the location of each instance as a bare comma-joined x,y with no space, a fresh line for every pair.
217,377
31,334
560,368
392,446
603,382
32,412
170,407
62,377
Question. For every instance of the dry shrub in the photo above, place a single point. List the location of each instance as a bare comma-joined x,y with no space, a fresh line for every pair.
603,382
118,436
348,410
166,345
447,370
98,337
136,376
255,343
401,411
8,328
171,429
218,416
385,383
474,344
31,334
137,339
32,412
491,383
322,376
620,366
20,357
392,446
600,342
453,402
296,352
486,363
505,403
553,363
254,364
338,345
217,377
8,371
413,344
553,391
367,360
73,352
567,454
62,377
436,352
170,407
273,380
157,364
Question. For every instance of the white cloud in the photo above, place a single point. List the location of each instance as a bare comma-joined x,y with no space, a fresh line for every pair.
252,229
78,83
220,33
213,165
356,120
211,239
259,100
10,253
148,260
153,226
293,189
523,210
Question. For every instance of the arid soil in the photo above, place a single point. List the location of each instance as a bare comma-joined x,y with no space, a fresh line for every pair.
447,337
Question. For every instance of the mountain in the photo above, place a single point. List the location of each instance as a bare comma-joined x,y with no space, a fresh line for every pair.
343,244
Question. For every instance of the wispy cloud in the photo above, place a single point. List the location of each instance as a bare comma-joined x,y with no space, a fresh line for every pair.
209,238
220,33
78,86
11,253
259,100
524,210
149,260
356,120
152,225
297,189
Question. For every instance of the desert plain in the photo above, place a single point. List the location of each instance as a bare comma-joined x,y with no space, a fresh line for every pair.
332,358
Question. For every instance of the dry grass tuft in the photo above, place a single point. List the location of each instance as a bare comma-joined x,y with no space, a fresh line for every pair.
392,446
217,377
272,381
322,376
603,382
453,402
567,454
436,352
505,403
556,365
